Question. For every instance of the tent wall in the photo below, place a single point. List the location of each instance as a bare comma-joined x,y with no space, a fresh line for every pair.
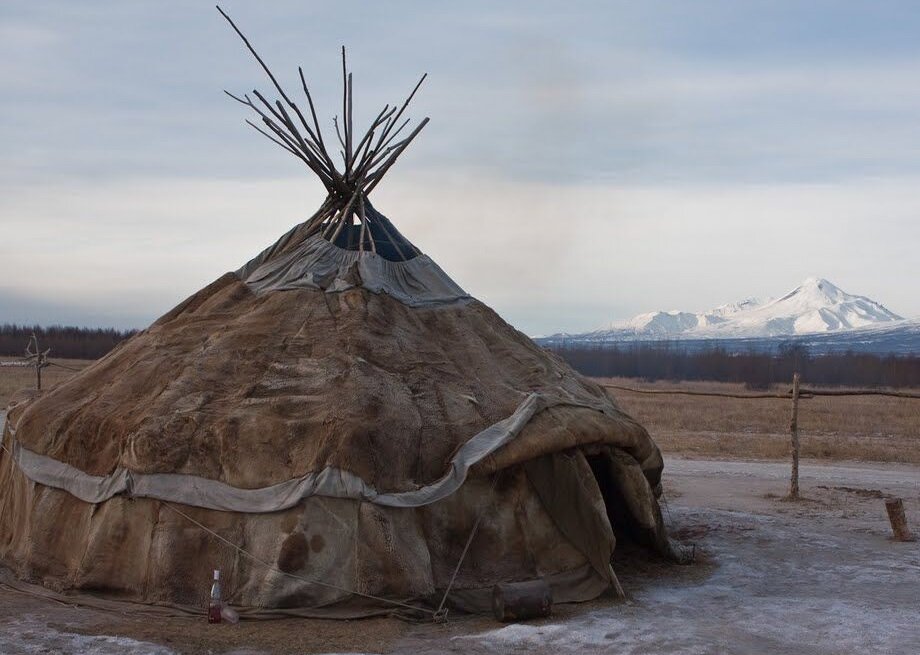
137,549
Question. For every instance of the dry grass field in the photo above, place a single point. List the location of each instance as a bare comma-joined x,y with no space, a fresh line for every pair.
845,584
14,378
866,428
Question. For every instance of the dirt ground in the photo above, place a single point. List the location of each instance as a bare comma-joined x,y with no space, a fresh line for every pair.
819,576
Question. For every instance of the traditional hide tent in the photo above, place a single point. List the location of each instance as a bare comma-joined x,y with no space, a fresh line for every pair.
336,425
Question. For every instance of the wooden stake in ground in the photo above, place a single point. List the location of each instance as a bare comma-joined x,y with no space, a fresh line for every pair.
38,358
895,509
794,429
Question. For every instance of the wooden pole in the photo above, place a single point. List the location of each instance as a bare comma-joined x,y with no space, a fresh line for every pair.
895,509
363,223
39,357
794,429
617,587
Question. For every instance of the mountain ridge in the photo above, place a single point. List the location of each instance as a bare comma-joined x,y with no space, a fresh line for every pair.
816,306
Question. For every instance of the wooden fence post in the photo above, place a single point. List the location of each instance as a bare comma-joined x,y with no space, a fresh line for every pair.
39,359
794,429
895,509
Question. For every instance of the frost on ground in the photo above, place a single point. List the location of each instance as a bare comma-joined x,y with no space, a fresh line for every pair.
817,577
29,634
814,593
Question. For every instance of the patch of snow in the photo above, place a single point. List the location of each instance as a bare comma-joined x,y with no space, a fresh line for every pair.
25,635
822,594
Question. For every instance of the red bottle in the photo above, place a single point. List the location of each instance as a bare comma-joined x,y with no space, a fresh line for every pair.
214,603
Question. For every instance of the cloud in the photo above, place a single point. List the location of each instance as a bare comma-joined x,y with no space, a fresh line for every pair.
546,256
583,163
126,90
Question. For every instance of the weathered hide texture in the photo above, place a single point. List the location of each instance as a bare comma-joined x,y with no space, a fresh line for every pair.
255,389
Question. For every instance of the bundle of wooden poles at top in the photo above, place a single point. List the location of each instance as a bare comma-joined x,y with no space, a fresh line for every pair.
366,161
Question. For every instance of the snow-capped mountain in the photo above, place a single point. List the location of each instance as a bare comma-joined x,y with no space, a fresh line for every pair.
668,324
816,306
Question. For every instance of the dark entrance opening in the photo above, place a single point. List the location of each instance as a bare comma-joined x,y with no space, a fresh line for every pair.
633,542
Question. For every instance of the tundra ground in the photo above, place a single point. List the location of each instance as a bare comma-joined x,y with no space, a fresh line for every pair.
815,577
855,428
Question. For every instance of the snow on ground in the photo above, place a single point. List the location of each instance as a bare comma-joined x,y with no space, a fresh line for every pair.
776,589
29,634
816,577
819,577
853,473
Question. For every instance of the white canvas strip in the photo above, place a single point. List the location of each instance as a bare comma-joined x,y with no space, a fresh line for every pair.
318,264
330,482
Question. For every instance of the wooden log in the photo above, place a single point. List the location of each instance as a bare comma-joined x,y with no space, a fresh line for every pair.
349,131
256,55
617,587
314,223
380,221
384,148
405,104
368,138
337,178
366,161
385,166
306,147
363,223
293,136
346,213
895,509
794,429
330,226
338,228
520,601
376,153
338,133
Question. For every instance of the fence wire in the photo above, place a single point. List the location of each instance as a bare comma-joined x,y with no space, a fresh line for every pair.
803,393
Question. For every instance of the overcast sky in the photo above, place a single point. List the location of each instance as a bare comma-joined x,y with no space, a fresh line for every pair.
585,161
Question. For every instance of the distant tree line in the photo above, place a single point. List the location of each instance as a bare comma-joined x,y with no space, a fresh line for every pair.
646,361
64,341
757,370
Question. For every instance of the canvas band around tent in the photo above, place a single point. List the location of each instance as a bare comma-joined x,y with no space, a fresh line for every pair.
337,426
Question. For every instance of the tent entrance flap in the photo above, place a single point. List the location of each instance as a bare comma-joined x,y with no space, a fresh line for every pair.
616,508
632,506
626,528
569,492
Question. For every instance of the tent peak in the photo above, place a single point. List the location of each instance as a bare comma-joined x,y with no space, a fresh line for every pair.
365,160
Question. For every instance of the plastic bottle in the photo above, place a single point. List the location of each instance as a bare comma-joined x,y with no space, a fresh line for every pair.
214,603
